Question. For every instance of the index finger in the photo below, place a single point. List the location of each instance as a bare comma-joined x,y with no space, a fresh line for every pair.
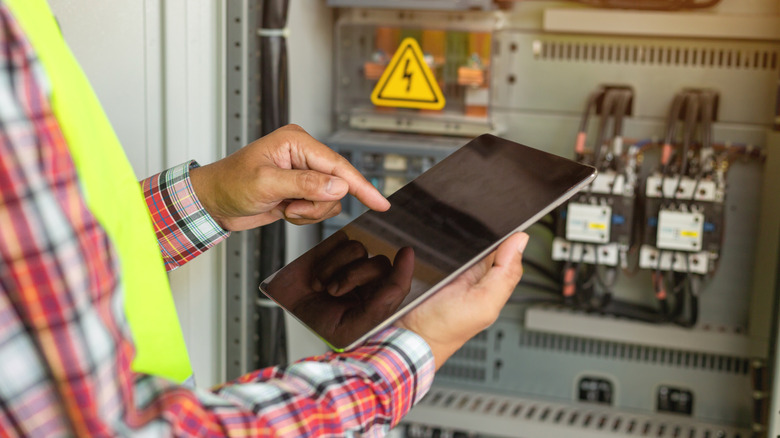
321,158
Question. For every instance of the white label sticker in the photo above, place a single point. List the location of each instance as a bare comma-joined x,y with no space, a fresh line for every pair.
588,223
680,230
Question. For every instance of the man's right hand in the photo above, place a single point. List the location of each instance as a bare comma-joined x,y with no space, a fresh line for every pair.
469,304
285,175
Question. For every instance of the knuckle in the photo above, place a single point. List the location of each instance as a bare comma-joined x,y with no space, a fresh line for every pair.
356,249
351,278
322,208
382,262
293,127
308,182
514,272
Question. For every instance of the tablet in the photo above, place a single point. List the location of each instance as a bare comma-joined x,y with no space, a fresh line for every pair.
383,264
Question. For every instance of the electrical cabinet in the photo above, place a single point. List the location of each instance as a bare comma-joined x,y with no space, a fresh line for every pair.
647,307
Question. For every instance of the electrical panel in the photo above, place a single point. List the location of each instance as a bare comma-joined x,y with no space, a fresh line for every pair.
646,306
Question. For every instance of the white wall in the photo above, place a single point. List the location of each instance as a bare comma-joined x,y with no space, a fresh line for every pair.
157,69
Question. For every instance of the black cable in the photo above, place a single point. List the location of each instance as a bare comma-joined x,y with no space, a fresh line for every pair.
274,113
607,106
621,111
633,311
520,299
590,107
707,117
672,119
540,268
689,130
540,286
706,152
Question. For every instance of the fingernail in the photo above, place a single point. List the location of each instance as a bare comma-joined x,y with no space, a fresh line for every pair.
293,216
333,288
523,242
337,186
316,285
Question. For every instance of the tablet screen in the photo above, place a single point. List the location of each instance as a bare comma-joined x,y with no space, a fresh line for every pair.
382,264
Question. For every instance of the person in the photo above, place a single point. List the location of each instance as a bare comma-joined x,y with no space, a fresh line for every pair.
71,264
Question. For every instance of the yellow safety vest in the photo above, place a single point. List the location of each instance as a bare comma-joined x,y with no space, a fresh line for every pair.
114,197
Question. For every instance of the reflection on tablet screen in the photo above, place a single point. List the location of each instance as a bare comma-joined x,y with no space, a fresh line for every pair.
381,264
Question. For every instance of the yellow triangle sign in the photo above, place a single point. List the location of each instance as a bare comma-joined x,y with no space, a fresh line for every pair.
408,82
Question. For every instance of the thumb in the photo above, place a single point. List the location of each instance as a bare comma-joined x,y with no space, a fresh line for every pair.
303,184
507,266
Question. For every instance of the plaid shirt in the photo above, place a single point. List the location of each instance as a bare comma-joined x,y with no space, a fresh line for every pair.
65,346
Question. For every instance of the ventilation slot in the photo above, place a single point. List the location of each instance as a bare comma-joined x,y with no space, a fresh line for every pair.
633,352
471,352
578,418
656,55
463,372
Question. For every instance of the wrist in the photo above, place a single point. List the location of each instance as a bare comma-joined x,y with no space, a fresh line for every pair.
441,349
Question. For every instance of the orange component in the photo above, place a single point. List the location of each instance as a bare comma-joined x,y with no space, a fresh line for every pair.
579,146
373,70
666,154
568,283
471,76
660,290
387,39
476,111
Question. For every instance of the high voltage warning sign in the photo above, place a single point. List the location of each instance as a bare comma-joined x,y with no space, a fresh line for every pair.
408,82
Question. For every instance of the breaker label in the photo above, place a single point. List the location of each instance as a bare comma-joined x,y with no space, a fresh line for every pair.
680,231
588,223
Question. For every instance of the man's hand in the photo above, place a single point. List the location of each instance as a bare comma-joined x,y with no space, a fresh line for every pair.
470,303
342,292
285,175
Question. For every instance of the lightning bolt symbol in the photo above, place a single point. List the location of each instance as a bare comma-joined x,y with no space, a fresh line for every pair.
407,76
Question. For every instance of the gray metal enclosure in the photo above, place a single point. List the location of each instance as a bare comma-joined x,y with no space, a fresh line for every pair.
522,377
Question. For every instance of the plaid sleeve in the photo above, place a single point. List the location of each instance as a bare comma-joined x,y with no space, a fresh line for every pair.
365,392
362,393
184,229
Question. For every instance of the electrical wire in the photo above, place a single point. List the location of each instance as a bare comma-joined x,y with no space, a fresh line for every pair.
621,111
538,267
671,129
540,286
607,107
590,107
689,130
520,299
